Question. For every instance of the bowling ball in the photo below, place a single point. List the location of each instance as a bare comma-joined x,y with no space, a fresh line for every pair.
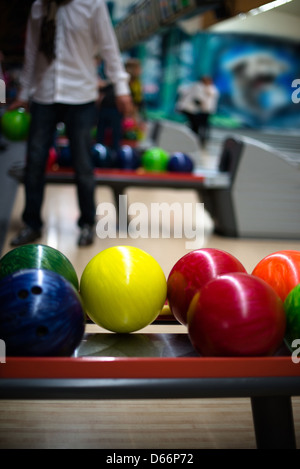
192,271
128,124
15,124
103,157
41,314
94,133
38,256
131,135
128,158
180,162
123,289
281,270
52,159
236,314
155,159
61,129
292,310
64,156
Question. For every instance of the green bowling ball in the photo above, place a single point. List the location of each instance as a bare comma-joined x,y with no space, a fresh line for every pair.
38,256
94,133
15,124
61,129
292,310
155,159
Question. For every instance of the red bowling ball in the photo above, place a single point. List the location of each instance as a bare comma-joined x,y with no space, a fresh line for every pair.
236,314
192,271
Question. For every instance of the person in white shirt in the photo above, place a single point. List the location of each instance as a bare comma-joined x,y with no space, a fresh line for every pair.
198,102
60,82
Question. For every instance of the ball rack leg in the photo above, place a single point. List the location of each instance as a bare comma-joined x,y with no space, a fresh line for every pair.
273,422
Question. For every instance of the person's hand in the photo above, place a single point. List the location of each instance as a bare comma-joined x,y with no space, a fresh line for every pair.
17,103
99,99
125,105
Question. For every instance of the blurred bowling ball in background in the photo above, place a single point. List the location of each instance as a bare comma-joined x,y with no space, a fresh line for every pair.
180,162
15,124
103,156
61,129
128,124
129,128
128,158
41,314
64,156
94,133
52,159
38,256
155,159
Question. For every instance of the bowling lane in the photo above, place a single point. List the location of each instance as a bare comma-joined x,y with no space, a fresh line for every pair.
60,214
205,423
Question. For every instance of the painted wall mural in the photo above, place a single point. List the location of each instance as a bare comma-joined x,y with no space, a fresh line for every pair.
253,74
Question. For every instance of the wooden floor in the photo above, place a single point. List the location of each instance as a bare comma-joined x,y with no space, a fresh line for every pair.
194,423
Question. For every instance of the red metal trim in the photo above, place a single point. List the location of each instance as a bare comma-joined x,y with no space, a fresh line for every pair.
132,175
93,367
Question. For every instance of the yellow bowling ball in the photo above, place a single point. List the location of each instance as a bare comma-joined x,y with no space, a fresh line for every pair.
123,289
166,310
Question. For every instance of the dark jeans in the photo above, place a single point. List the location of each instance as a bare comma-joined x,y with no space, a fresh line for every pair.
79,120
110,118
200,125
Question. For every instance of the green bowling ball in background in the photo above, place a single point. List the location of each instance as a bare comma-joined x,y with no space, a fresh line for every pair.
155,159
94,133
38,256
15,124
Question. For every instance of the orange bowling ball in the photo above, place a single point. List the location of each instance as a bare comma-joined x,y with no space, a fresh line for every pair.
281,270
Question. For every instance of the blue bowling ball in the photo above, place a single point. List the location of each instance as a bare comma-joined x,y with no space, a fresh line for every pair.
180,162
128,158
41,314
103,156
64,156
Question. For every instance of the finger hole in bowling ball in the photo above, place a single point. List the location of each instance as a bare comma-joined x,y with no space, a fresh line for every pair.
23,294
36,290
41,331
